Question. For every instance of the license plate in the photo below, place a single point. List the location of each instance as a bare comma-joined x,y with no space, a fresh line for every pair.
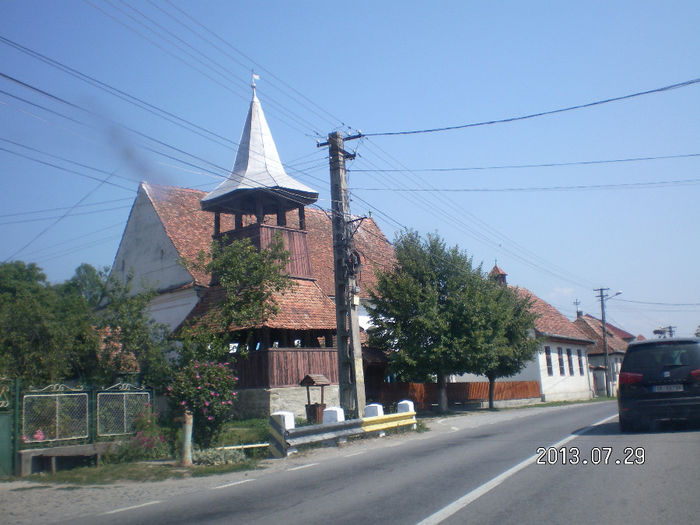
667,388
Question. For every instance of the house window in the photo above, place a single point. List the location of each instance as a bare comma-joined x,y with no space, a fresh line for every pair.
548,356
570,359
580,361
560,354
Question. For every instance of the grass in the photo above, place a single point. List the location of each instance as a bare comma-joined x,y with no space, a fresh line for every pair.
141,471
245,432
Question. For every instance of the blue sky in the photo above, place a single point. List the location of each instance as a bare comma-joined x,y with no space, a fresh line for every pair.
376,67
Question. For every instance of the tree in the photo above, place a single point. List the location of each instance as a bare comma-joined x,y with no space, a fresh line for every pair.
427,311
131,342
45,335
507,344
249,278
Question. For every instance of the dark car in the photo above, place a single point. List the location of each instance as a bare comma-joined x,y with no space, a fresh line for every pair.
659,379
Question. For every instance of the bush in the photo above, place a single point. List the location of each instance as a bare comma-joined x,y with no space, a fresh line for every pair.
214,457
206,389
148,443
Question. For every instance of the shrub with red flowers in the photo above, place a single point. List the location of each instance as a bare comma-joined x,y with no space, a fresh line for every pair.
205,388
148,442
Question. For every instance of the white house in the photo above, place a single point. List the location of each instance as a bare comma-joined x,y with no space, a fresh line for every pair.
560,365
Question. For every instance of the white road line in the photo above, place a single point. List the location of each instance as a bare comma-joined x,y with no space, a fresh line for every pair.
233,483
131,508
354,454
302,467
465,500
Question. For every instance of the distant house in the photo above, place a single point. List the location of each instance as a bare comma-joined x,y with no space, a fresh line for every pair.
257,201
561,363
617,341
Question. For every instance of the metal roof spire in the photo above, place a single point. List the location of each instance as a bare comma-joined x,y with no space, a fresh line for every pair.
257,167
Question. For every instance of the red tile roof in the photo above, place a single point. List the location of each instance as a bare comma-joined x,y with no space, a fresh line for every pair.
551,322
593,328
303,307
190,229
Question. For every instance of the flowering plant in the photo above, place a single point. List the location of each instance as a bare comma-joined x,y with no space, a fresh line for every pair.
149,441
205,388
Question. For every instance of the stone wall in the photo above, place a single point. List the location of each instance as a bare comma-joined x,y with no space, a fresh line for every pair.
261,402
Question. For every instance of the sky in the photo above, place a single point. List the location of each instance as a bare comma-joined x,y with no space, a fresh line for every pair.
98,95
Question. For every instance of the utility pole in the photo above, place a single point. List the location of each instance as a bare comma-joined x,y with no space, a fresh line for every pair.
604,297
346,266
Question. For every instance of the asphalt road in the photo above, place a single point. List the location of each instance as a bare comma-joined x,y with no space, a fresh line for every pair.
469,469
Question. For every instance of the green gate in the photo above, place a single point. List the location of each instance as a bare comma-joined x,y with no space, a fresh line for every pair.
7,449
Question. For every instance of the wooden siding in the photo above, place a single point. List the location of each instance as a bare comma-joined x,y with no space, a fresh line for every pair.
278,367
261,236
426,395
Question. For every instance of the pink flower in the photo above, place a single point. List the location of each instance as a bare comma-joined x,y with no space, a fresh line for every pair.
223,402
229,401
198,377
210,418
39,435
24,438
206,403
199,388
183,403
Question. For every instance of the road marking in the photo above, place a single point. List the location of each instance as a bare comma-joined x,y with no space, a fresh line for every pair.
131,508
302,466
354,454
233,483
465,500
454,429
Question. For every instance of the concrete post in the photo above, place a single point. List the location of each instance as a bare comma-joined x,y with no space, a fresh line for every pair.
187,440
374,410
280,422
406,406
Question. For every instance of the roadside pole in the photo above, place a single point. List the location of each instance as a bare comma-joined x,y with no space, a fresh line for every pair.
346,264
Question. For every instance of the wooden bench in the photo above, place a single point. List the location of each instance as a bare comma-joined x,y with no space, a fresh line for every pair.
24,465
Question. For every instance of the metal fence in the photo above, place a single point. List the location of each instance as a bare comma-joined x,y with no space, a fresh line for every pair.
117,411
54,416
62,413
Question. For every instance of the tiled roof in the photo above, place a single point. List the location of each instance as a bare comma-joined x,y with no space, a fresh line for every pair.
303,307
496,271
190,230
593,328
550,321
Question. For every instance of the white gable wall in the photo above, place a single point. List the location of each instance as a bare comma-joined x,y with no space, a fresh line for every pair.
558,387
146,250
172,308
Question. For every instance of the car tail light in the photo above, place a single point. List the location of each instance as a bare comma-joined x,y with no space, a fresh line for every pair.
629,378
696,374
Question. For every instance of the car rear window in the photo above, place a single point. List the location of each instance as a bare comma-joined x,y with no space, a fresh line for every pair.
650,357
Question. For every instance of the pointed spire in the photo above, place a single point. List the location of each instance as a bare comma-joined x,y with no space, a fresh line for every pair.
258,174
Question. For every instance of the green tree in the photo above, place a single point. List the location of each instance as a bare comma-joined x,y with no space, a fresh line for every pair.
130,339
45,335
427,311
506,343
250,279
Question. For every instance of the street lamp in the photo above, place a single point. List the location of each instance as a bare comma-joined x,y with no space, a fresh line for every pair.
603,298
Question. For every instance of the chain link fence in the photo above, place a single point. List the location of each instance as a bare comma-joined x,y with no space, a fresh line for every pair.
118,411
54,417
61,413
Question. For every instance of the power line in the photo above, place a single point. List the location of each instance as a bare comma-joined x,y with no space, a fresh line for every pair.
657,303
627,185
544,165
539,114
60,218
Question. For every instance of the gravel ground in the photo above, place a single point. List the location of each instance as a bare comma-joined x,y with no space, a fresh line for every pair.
24,502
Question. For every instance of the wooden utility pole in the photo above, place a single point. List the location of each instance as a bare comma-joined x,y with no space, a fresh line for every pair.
347,299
